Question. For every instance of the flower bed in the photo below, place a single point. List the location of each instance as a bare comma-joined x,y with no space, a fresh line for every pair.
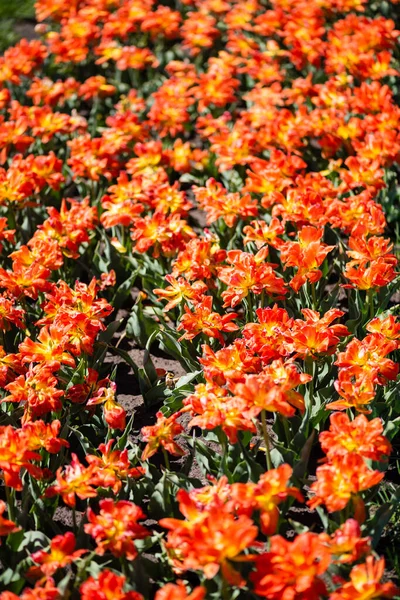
199,227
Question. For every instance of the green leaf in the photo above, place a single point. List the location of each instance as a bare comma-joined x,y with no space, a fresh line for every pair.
183,388
15,540
123,354
299,528
107,335
178,350
161,501
232,180
78,375
63,584
9,577
87,446
240,473
100,351
148,364
209,461
124,290
300,469
139,326
151,395
101,264
381,519
276,458
36,540
121,442
392,428
253,467
324,518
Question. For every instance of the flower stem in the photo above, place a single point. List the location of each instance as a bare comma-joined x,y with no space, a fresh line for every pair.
371,303
309,368
109,434
166,459
286,429
224,447
10,498
314,296
250,315
266,439
224,590
263,299
85,562
125,568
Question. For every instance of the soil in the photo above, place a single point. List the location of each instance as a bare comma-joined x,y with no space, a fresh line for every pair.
26,29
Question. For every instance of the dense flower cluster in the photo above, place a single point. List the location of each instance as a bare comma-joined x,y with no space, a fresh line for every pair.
216,180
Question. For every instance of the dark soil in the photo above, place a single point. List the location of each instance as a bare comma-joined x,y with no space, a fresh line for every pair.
26,29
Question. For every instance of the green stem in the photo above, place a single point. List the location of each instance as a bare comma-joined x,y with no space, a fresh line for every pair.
10,499
109,434
266,438
286,429
93,115
2,340
314,296
263,299
224,590
250,315
309,368
11,219
370,295
93,190
124,567
224,447
82,569
166,459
